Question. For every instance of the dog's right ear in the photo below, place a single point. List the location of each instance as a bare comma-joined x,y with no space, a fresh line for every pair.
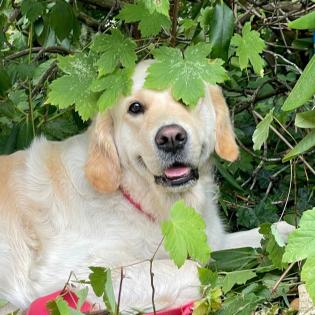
102,168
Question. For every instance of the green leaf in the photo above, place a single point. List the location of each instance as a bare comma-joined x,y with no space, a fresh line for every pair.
160,6
185,75
236,277
82,295
109,296
59,307
73,88
115,49
221,30
115,85
5,82
301,242
233,259
207,276
262,131
304,22
249,46
61,19
304,88
273,244
305,119
32,9
184,235
98,278
308,276
305,144
150,23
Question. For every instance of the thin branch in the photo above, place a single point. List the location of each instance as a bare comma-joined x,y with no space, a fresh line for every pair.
274,288
52,49
174,15
120,289
287,143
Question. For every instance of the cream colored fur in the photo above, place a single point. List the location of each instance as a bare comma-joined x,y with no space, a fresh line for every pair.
61,209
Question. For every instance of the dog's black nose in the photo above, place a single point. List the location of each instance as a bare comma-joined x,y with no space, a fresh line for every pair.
171,138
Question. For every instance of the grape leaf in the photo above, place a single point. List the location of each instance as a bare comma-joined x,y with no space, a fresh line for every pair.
303,90
236,277
114,49
301,242
305,144
249,46
308,276
184,235
73,87
185,74
115,84
32,9
150,23
160,6
262,131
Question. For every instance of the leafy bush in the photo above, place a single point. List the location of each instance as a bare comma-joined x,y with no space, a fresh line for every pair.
63,61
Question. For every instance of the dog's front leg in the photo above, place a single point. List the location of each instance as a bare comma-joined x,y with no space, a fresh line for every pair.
173,286
252,237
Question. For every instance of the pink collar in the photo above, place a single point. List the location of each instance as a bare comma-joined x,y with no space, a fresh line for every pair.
136,205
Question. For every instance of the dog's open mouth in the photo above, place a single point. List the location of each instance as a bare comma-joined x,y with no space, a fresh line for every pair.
177,175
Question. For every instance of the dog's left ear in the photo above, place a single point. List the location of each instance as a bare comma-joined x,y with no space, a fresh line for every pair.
225,145
102,168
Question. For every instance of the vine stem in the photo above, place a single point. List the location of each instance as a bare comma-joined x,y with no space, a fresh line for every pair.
174,14
275,287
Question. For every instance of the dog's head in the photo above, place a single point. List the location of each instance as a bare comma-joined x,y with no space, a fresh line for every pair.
158,138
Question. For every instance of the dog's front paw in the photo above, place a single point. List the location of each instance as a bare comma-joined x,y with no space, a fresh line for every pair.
284,229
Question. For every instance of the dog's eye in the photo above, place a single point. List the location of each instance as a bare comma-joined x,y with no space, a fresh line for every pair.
136,108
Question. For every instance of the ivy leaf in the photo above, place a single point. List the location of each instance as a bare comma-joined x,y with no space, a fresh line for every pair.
184,74
301,242
73,87
308,276
114,49
184,235
32,9
59,307
262,131
109,296
160,6
273,244
305,144
249,46
115,85
150,23
303,90
236,277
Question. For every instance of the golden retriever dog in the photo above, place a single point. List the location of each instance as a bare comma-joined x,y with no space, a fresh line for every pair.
97,199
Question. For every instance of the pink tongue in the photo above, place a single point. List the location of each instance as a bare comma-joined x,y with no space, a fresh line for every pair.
174,172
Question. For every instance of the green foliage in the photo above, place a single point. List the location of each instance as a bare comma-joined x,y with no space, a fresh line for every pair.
74,87
184,73
262,131
221,30
249,46
115,49
62,61
236,277
303,90
304,22
150,23
101,282
184,235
